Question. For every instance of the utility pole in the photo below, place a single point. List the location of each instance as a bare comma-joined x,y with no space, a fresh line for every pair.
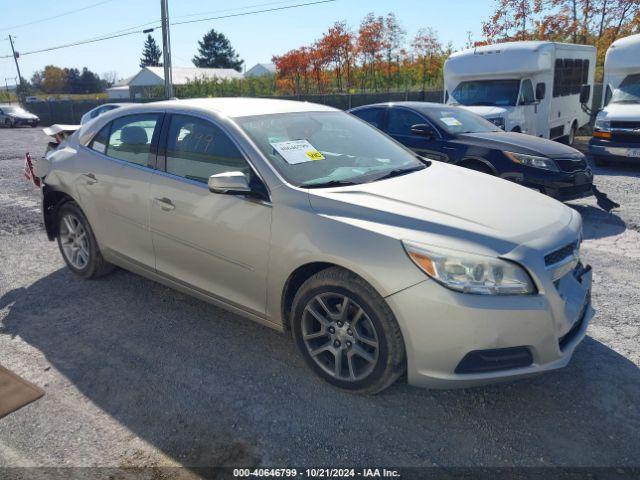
15,59
166,48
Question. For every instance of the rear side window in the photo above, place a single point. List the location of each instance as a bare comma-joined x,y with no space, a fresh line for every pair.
99,142
130,138
374,116
197,149
400,121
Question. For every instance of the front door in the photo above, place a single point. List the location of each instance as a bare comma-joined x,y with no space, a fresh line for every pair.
215,243
398,125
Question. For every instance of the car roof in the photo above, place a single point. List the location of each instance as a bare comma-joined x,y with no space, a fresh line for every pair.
234,107
419,106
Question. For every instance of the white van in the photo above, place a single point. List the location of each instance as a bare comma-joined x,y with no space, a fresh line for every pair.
616,135
529,87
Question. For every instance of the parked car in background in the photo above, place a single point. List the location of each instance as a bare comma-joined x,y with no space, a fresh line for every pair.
536,88
458,136
15,116
616,134
33,99
99,110
303,218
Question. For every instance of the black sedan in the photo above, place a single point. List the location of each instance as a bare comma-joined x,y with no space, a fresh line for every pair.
454,135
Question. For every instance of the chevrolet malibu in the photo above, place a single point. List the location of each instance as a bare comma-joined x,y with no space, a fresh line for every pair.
310,221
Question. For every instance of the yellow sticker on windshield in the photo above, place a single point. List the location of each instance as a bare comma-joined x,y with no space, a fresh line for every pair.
314,155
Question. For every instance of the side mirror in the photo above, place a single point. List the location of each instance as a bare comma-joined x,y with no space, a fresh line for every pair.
585,93
229,182
423,130
541,90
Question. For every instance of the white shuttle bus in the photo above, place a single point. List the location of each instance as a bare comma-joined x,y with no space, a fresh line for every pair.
529,87
616,135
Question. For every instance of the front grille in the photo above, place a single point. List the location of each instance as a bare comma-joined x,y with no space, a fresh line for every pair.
625,124
571,165
560,254
621,137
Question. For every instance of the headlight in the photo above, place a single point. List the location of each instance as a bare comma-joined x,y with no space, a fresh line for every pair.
498,122
602,125
533,161
470,273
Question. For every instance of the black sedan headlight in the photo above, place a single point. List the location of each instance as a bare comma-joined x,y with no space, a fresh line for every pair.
533,161
498,122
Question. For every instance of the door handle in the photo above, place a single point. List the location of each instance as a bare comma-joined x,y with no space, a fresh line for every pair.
90,178
164,203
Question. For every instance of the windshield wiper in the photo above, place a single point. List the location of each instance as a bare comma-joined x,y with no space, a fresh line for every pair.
401,171
330,183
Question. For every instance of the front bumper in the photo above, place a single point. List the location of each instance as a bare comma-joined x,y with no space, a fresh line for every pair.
615,151
31,122
440,327
562,186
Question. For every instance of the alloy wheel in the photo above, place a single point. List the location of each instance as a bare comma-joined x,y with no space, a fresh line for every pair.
340,337
74,241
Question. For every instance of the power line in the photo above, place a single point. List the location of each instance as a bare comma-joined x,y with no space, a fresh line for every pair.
55,16
118,35
234,9
254,12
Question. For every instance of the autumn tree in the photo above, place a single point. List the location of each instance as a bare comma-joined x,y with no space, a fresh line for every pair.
394,36
511,20
370,45
54,79
337,48
426,46
294,66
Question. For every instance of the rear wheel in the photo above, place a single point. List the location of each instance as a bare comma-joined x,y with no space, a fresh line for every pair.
347,333
78,244
571,138
8,123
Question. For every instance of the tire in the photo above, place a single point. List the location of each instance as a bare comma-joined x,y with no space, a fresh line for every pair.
364,369
516,130
34,125
8,123
78,245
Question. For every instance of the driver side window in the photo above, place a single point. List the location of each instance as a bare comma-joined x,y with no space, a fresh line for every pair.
400,121
526,93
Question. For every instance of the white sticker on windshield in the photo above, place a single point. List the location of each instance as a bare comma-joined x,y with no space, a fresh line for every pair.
297,151
451,121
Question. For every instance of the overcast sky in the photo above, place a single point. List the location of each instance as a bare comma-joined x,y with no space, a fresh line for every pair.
255,37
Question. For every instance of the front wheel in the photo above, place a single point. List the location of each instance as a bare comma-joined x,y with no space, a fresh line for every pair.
8,123
78,244
347,333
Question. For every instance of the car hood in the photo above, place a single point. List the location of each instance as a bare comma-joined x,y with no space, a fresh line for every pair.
448,206
486,111
23,116
520,143
621,111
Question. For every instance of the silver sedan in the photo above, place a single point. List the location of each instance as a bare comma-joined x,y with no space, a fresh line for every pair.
308,220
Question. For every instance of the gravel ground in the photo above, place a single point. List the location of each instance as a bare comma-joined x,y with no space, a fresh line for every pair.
136,374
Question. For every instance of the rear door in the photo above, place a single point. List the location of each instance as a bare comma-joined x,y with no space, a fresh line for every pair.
398,125
113,185
215,243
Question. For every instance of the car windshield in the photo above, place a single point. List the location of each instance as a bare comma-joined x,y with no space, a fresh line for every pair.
457,120
628,91
318,149
487,92
11,109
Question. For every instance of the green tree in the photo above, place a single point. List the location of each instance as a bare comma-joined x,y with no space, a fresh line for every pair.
215,51
151,53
